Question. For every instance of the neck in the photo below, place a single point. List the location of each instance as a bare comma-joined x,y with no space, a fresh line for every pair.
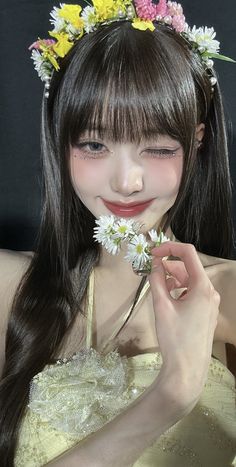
115,262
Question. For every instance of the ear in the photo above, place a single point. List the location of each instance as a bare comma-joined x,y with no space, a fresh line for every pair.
200,130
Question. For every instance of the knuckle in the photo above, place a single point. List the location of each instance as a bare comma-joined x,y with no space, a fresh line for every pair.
190,247
209,291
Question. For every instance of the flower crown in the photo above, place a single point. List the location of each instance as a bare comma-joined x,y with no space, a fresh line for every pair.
71,22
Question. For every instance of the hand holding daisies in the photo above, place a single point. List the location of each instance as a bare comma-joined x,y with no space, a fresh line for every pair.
185,326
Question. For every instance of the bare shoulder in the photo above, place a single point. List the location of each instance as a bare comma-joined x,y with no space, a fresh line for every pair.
13,266
222,273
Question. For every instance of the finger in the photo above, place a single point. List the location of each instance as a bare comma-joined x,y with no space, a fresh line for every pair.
177,271
172,283
157,280
188,255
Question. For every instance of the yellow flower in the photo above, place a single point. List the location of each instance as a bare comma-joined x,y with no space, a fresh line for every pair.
53,61
63,45
121,4
143,25
105,9
71,13
48,54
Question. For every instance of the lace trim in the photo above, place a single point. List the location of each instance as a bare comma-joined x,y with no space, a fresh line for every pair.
77,396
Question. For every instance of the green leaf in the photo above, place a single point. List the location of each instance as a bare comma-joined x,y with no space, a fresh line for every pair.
221,57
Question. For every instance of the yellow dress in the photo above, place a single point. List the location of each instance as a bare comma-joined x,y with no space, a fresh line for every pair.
75,397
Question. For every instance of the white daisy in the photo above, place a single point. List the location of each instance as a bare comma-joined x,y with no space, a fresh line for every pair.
138,252
43,67
153,235
58,22
104,233
105,222
113,245
204,38
89,16
156,238
105,229
125,228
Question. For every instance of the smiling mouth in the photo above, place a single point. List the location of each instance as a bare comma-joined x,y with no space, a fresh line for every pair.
127,210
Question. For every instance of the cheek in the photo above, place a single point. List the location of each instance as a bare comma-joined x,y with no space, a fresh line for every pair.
166,175
86,175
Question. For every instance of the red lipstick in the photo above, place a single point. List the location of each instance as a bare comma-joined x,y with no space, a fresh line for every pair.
126,210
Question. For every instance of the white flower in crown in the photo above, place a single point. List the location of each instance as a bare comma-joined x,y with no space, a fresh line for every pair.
89,17
138,252
204,38
58,22
71,30
156,238
42,67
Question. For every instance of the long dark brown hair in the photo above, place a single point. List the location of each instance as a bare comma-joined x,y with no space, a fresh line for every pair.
129,84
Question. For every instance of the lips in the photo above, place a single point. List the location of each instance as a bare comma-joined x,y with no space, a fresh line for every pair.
126,210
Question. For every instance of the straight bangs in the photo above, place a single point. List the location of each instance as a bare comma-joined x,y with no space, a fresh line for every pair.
127,85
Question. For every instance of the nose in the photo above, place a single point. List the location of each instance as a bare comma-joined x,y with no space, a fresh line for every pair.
127,177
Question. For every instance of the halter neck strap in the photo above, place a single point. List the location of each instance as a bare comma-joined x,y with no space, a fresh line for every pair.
90,300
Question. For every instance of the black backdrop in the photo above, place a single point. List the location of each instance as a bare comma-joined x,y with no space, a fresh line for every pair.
21,22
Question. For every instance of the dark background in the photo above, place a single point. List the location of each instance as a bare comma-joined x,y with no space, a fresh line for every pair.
22,22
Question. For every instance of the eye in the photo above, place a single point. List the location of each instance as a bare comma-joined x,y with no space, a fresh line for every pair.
91,149
160,153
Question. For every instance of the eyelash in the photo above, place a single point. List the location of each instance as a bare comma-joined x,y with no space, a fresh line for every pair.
90,154
95,153
161,153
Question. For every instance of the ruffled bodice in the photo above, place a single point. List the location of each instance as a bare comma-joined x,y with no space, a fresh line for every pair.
72,399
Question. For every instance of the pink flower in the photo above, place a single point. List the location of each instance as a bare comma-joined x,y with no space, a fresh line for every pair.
178,23
174,9
145,9
161,8
37,44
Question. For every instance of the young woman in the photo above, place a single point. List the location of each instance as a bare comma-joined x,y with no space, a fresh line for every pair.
99,366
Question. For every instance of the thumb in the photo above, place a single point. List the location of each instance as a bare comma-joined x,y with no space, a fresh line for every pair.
157,280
